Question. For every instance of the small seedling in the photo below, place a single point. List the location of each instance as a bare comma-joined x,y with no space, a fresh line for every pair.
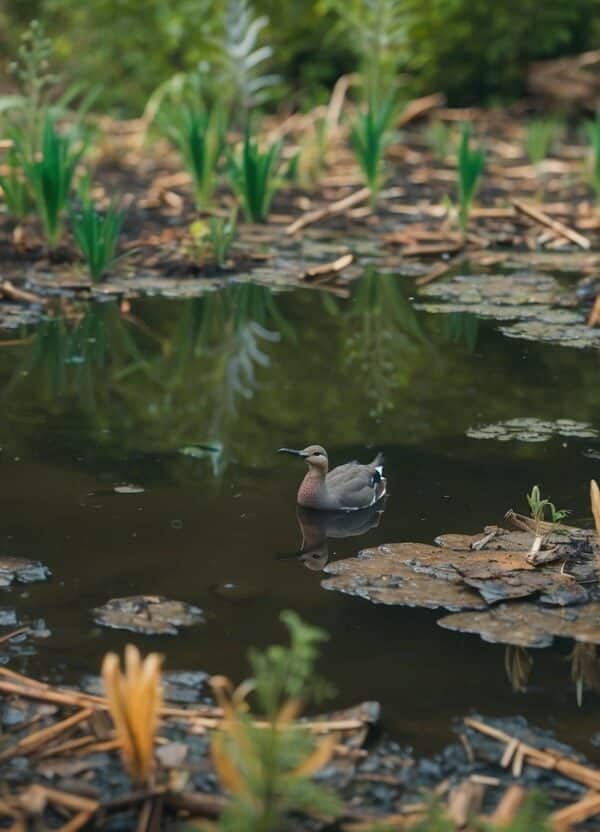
593,133
199,136
470,167
538,508
440,138
50,178
541,134
267,766
222,232
254,176
134,701
369,137
97,235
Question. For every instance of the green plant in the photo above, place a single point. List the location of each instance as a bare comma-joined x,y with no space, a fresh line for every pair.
377,34
50,178
240,58
593,134
97,235
222,232
440,138
254,176
541,134
14,186
199,136
369,137
470,167
267,766
539,506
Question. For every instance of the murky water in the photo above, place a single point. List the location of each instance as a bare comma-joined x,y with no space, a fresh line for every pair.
190,399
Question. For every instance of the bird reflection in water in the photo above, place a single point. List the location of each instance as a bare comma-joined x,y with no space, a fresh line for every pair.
318,526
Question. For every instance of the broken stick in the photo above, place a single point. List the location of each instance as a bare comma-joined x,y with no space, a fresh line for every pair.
558,227
339,207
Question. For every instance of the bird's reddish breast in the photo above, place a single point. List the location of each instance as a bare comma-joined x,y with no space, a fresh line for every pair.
309,488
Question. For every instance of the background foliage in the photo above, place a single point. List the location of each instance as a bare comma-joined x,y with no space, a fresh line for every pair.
475,50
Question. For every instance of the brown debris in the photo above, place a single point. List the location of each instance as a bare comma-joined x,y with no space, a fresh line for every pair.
341,206
558,227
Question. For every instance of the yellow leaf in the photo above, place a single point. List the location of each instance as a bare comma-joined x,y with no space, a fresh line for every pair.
228,774
198,230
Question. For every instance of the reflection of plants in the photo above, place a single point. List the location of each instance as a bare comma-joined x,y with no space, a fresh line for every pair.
253,174
383,330
585,669
369,137
518,664
462,327
267,768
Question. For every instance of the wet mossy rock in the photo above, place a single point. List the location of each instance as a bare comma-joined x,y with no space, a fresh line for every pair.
486,575
147,614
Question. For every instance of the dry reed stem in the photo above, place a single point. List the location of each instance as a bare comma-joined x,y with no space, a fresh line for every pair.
134,701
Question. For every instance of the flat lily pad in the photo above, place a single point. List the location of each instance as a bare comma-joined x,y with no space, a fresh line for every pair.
533,430
529,625
148,614
22,570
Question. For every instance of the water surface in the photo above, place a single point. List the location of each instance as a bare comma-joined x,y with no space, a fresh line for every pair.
190,399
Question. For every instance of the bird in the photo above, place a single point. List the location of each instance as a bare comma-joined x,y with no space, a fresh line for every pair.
348,487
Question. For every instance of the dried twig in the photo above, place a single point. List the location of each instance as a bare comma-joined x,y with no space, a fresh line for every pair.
556,226
339,207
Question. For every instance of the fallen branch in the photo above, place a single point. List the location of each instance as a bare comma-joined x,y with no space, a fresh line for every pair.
10,291
334,208
39,738
324,270
543,219
420,106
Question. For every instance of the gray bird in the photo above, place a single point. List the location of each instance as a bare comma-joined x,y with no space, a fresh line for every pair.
348,487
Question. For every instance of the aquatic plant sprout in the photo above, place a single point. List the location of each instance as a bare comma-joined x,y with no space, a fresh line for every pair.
97,236
470,167
369,137
593,134
50,177
222,232
199,136
539,506
540,136
254,176
14,187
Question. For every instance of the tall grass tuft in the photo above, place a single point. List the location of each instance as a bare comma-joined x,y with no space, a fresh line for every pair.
134,701
199,136
14,187
369,137
593,134
267,766
254,176
470,167
97,236
50,177
541,135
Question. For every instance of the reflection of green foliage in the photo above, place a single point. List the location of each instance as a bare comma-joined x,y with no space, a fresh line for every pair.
384,334
462,328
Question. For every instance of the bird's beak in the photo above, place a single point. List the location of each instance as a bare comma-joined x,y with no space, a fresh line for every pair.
290,451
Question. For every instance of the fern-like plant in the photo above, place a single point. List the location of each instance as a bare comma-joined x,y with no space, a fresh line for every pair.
242,59
267,766
199,136
50,177
470,167
254,176
370,137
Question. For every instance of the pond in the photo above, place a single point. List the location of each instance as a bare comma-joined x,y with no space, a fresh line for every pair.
188,400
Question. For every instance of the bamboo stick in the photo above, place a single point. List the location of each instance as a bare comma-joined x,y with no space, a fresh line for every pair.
339,207
556,226
38,738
